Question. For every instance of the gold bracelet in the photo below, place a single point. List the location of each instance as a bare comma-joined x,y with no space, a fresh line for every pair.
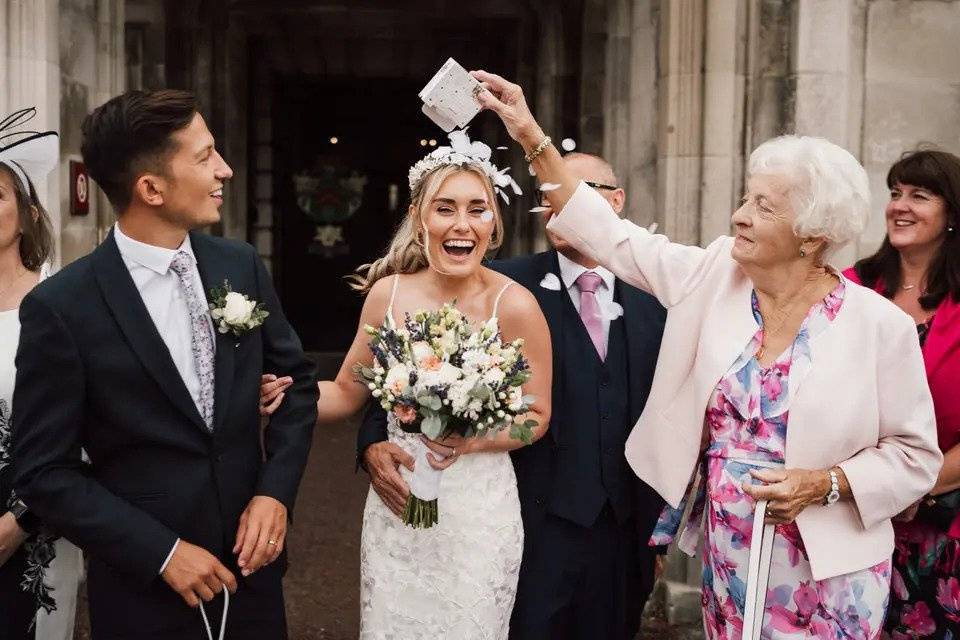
530,157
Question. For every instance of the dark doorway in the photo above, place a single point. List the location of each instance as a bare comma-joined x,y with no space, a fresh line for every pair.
341,154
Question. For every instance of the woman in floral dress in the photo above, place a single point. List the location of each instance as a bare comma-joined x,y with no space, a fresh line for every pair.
747,417
795,398
918,268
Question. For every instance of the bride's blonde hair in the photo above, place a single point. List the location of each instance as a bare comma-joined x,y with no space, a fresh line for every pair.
407,252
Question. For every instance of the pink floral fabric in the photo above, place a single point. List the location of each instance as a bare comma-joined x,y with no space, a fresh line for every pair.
748,415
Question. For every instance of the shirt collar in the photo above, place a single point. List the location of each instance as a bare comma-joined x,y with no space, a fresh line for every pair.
155,258
570,271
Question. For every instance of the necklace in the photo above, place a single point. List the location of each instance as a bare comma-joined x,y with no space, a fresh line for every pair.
3,291
782,313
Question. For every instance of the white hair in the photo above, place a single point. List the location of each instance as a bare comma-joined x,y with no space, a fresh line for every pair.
829,189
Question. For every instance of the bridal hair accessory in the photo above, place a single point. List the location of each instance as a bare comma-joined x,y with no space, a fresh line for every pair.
31,155
463,152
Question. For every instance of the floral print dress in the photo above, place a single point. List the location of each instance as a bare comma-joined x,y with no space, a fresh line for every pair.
748,414
925,601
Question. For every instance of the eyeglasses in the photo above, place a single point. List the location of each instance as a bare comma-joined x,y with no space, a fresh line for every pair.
542,200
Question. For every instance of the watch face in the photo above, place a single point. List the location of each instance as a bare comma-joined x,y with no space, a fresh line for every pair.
833,496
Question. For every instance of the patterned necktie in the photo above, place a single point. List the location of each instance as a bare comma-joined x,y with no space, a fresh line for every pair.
201,339
588,282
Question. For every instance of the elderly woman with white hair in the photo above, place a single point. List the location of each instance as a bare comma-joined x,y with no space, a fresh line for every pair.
791,403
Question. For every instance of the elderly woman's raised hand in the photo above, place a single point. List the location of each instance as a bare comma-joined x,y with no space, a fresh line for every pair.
506,100
788,491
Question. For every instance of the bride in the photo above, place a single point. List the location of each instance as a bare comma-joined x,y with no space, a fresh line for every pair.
457,579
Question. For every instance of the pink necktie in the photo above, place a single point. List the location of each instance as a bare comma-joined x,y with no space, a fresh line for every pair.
590,310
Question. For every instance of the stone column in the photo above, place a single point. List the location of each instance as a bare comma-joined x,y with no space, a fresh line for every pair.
547,104
30,77
724,79
681,116
630,103
828,63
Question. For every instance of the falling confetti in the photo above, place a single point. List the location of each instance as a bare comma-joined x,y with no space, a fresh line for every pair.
502,148
549,186
539,209
486,216
568,144
612,310
530,169
652,228
551,282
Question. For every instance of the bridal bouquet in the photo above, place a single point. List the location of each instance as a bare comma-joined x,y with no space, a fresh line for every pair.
439,377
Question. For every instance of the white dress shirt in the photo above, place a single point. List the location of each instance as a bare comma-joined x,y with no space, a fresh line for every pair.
570,271
162,294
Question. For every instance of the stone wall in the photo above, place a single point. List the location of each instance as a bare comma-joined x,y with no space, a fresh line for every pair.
92,70
911,89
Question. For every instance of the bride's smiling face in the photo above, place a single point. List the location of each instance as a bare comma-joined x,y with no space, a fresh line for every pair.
459,221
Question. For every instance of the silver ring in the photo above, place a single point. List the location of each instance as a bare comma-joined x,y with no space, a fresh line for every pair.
272,542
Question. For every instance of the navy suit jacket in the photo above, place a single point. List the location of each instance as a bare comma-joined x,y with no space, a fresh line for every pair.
535,466
93,372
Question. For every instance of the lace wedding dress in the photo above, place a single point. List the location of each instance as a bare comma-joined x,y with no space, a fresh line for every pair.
457,579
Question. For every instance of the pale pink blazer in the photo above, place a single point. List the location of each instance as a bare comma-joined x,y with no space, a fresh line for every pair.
864,404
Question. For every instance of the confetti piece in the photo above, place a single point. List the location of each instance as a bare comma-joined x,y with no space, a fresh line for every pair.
486,216
539,209
502,148
530,170
652,228
613,310
549,186
551,282
568,144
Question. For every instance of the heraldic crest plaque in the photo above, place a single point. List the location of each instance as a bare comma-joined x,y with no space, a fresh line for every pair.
329,196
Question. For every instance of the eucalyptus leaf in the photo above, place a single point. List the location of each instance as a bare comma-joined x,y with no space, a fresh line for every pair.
431,427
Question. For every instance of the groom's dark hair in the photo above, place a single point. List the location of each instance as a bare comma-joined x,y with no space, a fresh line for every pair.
130,134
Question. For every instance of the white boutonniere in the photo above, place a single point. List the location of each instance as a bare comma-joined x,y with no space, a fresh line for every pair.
234,312
551,281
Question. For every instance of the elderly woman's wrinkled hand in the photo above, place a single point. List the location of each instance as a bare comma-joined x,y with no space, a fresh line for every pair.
506,100
788,491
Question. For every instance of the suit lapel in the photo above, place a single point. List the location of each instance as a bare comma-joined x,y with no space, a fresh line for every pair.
128,309
213,271
551,303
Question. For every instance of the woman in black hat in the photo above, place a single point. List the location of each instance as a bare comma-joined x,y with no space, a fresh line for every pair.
37,590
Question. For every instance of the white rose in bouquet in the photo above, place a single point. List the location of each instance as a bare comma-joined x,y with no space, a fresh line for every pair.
398,379
494,376
423,354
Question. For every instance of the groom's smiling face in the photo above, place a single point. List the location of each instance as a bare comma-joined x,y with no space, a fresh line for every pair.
193,179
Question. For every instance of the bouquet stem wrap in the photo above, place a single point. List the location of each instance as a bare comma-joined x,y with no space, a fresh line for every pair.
421,510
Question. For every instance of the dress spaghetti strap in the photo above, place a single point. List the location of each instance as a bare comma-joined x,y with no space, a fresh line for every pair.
496,303
393,294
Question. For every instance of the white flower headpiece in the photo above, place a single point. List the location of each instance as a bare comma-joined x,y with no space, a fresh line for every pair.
463,151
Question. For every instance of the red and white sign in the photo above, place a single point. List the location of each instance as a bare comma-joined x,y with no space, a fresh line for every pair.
79,189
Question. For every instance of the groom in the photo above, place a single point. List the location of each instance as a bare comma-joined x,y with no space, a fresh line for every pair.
119,356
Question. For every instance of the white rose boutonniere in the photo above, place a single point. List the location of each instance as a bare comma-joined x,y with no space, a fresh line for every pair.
234,312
